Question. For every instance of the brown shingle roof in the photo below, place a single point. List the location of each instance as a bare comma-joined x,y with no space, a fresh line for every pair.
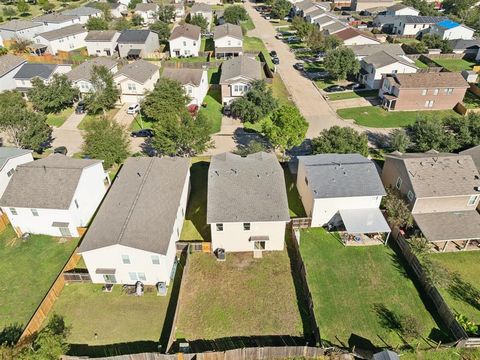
228,30
101,35
186,30
429,80
350,33
184,76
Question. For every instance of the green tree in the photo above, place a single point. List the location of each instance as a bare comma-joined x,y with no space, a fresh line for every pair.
341,62
47,6
430,133
396,209
97,23
235,14
107,140
286,128
106,10
133,4
399,140
104,93
163,31
302,27
425,8
252,147
459,8
11,100
281,8
3,51
54,96
122,24
331,42
200,21
137,20
436,42
257,103
316,40
465,128
340,140
166,13
22,7
9,12
166,100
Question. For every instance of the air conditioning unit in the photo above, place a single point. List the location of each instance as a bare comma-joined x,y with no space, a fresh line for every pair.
220,254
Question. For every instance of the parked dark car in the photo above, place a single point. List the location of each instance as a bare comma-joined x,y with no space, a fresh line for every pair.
60,150
355,86
226,111
334,88
273,53
298,66
275,60
143,133
80,108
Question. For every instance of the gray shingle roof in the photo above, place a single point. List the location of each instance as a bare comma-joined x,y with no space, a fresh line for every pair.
410,19
84,70
100,35
246,189
228,29
63,32
133,36
82,11
243,66
29,71
201,7
383,58
186,30
454,225
144,7
141,207
341,175
397,7
55,18
324,20
16,25
9,62
461,44
139,71
184,76
365,50
474,152
303,5
316,12
336,26
49,183
7,153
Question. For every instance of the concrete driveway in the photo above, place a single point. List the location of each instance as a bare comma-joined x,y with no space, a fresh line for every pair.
126,120
69,135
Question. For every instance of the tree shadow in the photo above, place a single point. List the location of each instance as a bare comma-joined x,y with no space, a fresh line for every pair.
387,318
464,291
243,138
294,202
360,342
380,140
10,334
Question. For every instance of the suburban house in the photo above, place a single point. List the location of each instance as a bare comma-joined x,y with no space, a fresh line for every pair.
45,72
84,13
247,207
185,41
374,11
360,5
314,14
236,75
81,75
55,21
465,47
55,195
64,39
384,23
102,42
19,29
322,21
303,7
9,66
136,79
10,158
194,82
351,36
343,191
228,39
203,10
135,44
148,12
179,9
409,25
132,237
334,28
443,191
423,91
374,66
117,9
450,30
362,51
401,9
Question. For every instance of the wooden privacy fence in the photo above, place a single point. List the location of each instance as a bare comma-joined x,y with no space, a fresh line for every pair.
77,276
3,221
194,246
41,313
301,223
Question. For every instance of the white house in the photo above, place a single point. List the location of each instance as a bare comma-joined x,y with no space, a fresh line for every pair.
228,40
117,9
322,21
84,13
362,51
409,25
185,40
148,12
382,63
19,29
55,195
360,5
64,39
134,44
311,16
351,36
136,79
451,30
194,82
302,8
10,158
45,72
55,21
81,75
102,42
247,206
401,9
179,9
236,75
132,237
203,10
9,66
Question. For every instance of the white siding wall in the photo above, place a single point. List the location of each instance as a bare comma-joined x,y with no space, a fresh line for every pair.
401,28
27,34
374,81
12,164
98,48
132,91
68,43
198,93
228,41
233,93
48,26
459,32
7,82
61,69
186,47
360,40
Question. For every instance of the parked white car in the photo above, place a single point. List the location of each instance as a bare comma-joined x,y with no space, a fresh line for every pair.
133,109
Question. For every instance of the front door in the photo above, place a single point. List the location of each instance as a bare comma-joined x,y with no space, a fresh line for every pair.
259,245
108,52
109,279
65,231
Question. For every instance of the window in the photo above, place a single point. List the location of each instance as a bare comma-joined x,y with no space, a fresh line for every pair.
449,91
126,259
429,103
435,92
184,43
10,172
65,231
13,211
155,259
34,212
76,203
259,245
410,195
424,92
141,276
246,226
220,227
398,185
183,212
133,276
110,279
131,87
394,71
473,199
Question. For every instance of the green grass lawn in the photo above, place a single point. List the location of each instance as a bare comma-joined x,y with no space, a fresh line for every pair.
407,40
242,296
467,265
188,59
374,116
254,44
360,291
280,91
110,114
322,84
58,119
247,25
213,110
352,95
28,269
294,203
443,354
471,101
140,123
421,64
455,64
213,75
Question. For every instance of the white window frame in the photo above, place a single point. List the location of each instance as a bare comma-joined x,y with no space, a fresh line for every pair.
34,212
13,211
410,195
424,92
126,259
247,226
219,226
472,200
399,182
155,259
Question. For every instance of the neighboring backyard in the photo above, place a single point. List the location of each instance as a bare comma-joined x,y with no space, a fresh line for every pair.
359,293
455,65
352,95
28,268
464,295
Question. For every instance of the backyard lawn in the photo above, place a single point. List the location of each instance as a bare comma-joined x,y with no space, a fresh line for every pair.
28,270
352,95
359,293
458,297
242,296
374,116
455,64
213,110
421,64
58,119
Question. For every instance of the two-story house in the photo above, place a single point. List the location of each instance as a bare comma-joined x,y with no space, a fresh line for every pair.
408,25
64,39
351,36
203,10
185,41
451,30
102,42
135,80
45,72
19,30
194,82
360,5
134,44
9,66
81,75
228,39
148,12
362,51
423,91
443,191
84,13
117,9
55,21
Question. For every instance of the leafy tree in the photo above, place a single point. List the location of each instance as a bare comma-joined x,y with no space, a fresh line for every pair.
107,140
411,327
397,210
133,3
107,12
302,27
340,140
137,20
425,8
54,96
166,13
22,7
252,147
430,133
3,51
286,128
235,14
181,135
459,8
331,42
257,103
420,246
11,100
269,2
315,40
97,23
199,20
163,31
341,62
281,8
122,24
166,100
436,42
9,12
399,140
47,6
104,93
20,45
465,128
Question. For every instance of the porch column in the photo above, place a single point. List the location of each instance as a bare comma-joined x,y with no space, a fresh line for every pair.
466,245
445,246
